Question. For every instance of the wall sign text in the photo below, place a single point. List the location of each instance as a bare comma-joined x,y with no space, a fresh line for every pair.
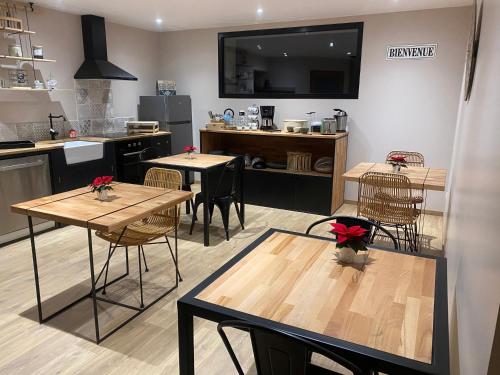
411,51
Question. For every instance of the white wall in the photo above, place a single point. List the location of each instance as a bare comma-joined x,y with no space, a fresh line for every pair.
402,104
61,37
474,215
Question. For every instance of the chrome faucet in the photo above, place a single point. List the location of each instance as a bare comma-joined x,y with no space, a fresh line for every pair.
53,133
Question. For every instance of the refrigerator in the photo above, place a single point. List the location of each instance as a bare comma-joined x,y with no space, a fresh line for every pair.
174,115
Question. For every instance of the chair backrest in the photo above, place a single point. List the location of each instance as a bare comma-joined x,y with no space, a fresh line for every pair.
414,159
349,221
230,177
386,198
166,179
277,352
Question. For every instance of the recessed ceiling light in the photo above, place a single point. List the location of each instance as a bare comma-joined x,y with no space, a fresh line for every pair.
159,21
349,53
331,44
260,11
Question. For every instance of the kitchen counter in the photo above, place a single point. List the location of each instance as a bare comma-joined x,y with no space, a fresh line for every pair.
49,145
276,133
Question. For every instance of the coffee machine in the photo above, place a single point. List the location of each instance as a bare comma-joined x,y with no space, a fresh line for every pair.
267,115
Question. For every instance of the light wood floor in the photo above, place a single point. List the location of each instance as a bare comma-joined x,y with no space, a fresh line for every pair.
147,345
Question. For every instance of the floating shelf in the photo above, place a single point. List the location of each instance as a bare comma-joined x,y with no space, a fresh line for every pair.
25,59
286,171
10,30
30,90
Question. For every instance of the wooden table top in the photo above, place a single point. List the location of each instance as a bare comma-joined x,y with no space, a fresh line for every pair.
199,161
386,304
420,177
126,203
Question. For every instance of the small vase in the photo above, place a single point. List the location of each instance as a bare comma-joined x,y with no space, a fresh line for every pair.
396,168
346,255
102,195
189,155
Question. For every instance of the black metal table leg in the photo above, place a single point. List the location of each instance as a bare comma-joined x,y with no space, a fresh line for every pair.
186,340
242,199
206,204
186,183
176,255
35,270
93,292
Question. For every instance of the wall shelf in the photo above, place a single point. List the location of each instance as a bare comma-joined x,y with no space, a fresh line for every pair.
29,90
25,59
10,30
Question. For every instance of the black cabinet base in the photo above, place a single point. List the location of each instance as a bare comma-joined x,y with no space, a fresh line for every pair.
311,194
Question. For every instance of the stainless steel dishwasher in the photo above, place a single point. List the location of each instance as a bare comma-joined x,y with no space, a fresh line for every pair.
22,179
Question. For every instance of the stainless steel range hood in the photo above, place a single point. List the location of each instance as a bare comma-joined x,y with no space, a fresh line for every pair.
96,64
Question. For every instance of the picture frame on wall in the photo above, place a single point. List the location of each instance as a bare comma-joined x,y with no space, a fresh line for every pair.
472,49
165,88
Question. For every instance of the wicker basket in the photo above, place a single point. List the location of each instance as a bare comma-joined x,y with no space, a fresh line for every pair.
299,161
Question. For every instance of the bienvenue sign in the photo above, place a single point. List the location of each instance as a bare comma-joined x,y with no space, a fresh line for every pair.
411,51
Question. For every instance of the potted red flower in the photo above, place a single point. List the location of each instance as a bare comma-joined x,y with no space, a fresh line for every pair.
101,185
350,240
397,162
189,150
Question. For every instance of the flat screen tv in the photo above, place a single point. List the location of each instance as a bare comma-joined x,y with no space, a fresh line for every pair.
300,62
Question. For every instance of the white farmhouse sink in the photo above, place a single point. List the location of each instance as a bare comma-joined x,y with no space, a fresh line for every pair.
82,151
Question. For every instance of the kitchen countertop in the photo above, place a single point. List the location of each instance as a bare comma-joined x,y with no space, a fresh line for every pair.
59,143
276,133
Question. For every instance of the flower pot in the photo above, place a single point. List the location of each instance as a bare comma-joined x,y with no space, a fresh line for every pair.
102,195
346,255
396,168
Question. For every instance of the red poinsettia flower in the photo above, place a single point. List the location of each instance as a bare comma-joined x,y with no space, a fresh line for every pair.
101,183
107,179
398,158
190,148
97,182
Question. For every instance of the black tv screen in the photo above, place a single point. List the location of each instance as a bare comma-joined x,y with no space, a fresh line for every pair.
301,62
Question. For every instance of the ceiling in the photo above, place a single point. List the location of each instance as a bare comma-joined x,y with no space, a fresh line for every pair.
197,14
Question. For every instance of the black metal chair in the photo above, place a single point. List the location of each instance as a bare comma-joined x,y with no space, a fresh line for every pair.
369,225
277,352
152,153
222,194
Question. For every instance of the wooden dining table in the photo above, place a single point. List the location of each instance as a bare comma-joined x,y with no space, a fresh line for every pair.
204,164
126,204
420,177
387,312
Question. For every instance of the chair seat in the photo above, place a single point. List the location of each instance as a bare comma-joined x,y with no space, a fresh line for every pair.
137,233
389,214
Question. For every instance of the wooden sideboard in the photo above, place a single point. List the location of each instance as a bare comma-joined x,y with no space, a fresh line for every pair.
280,188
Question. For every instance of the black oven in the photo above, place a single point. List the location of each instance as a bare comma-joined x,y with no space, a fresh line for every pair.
128,156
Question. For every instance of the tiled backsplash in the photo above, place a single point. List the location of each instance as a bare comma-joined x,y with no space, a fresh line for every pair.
94,103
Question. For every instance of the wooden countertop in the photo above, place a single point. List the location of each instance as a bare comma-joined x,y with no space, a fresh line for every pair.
276,133
45,146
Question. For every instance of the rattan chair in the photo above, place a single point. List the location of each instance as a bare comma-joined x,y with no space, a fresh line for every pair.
413,159
386,199
156,226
